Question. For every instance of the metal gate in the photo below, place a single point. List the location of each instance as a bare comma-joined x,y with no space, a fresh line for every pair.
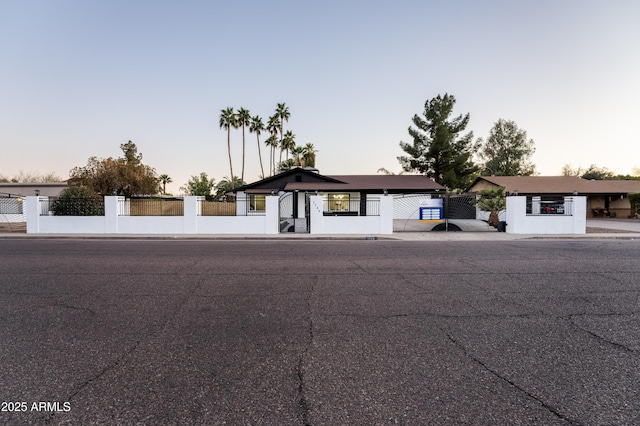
459,214
290,217
12,215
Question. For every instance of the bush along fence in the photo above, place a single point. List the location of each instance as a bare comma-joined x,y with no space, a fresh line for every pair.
194,215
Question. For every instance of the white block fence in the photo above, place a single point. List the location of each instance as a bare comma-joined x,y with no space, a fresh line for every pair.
114,223
381,224
572,221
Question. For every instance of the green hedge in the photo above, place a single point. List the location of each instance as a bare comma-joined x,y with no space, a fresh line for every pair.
634,199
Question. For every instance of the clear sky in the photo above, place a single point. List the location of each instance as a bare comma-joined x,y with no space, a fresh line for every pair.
79,78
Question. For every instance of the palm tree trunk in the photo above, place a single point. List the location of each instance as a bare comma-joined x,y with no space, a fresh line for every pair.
260,156
243,151
281,143
229,151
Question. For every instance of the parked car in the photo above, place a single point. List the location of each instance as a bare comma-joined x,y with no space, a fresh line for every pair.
552,208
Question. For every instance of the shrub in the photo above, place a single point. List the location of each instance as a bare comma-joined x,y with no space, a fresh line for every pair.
634,200
78,201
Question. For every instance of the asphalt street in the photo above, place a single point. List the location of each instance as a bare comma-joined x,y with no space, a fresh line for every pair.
361,332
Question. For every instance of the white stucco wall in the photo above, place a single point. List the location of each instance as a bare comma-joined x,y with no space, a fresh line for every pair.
382,224
518,222
189,223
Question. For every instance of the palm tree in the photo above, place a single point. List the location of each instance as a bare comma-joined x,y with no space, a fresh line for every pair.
282,111
256,127
243,118
272,143
388,172
298,152
227,121
288,142
309,155
227,185
165,179
273,125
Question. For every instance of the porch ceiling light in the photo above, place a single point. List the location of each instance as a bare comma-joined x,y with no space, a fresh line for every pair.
37,192
515,192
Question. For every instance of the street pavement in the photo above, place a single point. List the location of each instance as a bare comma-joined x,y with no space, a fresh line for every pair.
324,332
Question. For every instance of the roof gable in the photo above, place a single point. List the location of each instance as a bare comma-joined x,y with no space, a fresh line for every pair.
279,181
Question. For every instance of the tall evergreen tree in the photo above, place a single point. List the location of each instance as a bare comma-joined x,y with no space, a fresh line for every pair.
507,152
438,151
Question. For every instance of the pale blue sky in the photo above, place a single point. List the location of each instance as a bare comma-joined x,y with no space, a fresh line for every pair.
79,78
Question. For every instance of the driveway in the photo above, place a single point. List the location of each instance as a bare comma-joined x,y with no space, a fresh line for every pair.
628,225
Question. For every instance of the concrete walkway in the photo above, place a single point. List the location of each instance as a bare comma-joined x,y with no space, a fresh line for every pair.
597,229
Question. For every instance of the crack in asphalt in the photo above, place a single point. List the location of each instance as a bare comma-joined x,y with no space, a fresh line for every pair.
128,351
434,315
303,403
547,406
570,319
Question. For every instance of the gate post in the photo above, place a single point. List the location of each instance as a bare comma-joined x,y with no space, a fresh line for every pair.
316,218
272,214
386,214
111,214
192,209
33,214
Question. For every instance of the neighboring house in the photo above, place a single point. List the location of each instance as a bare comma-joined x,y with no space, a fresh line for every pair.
12,197
605,198
50,189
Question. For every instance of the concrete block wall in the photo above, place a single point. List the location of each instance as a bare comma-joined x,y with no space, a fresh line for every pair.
519,222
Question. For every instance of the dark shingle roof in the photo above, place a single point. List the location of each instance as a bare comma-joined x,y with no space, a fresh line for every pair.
392,183
306,180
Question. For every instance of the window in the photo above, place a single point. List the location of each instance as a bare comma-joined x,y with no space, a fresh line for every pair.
257,203
339,202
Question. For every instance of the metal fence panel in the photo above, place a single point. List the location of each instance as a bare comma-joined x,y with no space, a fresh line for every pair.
155,207
71,206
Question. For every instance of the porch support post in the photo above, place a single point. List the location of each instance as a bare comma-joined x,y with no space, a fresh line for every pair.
363,204
295,204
